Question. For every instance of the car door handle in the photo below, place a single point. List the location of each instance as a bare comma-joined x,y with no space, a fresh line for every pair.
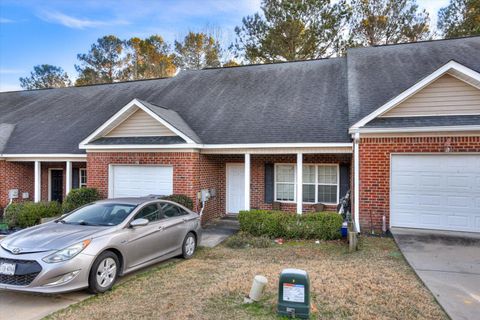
161,228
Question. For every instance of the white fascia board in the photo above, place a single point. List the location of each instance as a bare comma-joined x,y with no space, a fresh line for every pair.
276,145
452,65
416,129
54,157
132,104
140,146
219,146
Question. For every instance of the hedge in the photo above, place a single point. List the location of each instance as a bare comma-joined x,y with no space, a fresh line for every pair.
27,214
180,199
79,197
279,224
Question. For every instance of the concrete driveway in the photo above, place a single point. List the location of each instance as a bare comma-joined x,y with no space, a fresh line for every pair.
449,265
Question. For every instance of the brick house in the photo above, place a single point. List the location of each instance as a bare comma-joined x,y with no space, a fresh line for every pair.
398,125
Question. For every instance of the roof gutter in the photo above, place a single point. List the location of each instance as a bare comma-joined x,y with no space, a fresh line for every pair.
354,130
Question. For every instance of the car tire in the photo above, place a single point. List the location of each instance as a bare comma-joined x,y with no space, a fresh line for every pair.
104,272
189,246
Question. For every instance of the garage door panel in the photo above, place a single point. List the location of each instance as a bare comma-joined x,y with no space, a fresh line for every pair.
435,191
137,181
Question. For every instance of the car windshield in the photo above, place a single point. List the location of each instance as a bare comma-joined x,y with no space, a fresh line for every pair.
99,214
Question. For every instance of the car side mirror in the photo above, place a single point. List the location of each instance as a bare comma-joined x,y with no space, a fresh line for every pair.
139,223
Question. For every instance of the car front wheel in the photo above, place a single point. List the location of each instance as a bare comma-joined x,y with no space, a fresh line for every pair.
104,272
189,246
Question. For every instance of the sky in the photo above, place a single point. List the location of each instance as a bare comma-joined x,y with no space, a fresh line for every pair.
34,32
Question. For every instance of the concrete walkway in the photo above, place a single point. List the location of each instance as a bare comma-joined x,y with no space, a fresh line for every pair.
27,306
217,231
449,265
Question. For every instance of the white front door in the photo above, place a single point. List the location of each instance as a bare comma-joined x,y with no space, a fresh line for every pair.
140,181
436,192
235,187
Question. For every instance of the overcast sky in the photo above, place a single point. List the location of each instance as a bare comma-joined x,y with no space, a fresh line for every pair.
55,31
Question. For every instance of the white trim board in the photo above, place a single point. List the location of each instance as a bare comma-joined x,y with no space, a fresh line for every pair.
454,68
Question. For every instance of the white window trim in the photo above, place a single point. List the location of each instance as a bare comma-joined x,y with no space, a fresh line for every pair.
294,183
80,185
316,183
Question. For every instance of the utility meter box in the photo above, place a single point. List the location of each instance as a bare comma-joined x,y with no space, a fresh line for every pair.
294,294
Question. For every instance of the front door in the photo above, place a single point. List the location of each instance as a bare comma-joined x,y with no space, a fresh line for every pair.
56,185
235,187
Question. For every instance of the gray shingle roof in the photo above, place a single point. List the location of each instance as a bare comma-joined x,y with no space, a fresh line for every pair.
278,103
424,121
378,74
5,132
174,119
296,102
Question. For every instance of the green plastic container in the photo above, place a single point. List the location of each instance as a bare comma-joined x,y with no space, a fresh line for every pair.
294,294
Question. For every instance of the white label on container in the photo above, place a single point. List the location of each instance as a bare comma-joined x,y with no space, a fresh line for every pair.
293,292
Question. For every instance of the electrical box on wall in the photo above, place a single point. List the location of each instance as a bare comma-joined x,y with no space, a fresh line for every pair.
13,194
25,195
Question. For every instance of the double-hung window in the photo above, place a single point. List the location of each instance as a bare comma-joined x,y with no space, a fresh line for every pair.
320,183
82,177
285,182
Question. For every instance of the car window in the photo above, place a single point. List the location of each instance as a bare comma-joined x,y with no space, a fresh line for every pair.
170,210
100,214
150,212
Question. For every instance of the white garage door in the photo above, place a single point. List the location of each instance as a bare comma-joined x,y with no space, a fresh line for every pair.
436,192
137,181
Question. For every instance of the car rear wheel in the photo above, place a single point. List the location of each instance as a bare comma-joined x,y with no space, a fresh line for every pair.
189,246
104,272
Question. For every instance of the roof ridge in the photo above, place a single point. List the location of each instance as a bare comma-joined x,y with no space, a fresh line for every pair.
412,42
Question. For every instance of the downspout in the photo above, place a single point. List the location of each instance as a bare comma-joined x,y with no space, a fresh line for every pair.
356,159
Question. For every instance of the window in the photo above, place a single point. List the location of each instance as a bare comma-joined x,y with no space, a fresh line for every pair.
99,214
82,178
150,212
170,210
285,182
327,184
320,183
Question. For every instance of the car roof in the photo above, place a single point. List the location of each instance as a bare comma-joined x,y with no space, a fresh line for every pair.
131,200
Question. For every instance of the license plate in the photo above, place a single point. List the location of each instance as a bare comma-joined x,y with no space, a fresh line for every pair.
7,269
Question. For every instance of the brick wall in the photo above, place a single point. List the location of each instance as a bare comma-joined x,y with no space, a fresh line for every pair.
15,175
186,177
375,169
213,172
193,172
20,175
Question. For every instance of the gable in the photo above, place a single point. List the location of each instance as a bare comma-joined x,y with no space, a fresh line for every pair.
447,95
140,124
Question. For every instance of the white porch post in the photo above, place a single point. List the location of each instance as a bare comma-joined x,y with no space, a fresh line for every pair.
299,183
247,181
68,178
37,182
356,182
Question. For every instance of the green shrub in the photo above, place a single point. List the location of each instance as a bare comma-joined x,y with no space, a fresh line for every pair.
243,240
181,199
27,214
278,224
80,197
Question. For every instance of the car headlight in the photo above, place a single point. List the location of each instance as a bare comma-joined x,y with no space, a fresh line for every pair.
67,253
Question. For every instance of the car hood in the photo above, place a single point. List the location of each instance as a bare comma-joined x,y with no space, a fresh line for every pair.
48,236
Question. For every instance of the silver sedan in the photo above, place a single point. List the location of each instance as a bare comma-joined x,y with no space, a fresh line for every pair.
93,245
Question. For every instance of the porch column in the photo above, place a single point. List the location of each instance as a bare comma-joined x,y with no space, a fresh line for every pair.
68,178
299,183
37,182
356,182
247,181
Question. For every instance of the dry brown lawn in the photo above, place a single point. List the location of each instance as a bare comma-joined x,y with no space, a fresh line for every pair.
373,283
